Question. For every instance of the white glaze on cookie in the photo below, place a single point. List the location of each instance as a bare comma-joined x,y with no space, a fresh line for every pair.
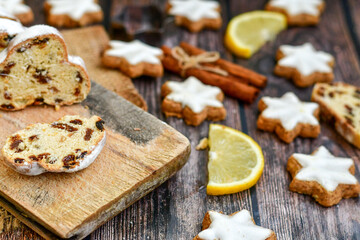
305,59
236,227
15,6
6,14
194,94
73,8
10,27
195,10
329,171
290,111
296,7
135,52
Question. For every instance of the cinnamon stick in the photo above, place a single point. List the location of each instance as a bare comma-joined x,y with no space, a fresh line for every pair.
227,84
244,74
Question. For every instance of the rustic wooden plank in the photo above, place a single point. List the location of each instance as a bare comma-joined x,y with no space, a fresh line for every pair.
291,215
131,165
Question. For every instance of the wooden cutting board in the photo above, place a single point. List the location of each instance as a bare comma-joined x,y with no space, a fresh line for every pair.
141,152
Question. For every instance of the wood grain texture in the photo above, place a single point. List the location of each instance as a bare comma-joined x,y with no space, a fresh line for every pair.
175,209
138,156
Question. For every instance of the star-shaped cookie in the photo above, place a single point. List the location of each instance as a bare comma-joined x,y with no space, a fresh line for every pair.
195,14
193,101
69,13
288,117
325,177
237,226
304,65
134,58
18,9
298,12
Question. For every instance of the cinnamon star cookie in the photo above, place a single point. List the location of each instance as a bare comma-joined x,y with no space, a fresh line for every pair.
195,15
304,65
193,101
288,117
298,12
325,177
239,225
72,13
134,58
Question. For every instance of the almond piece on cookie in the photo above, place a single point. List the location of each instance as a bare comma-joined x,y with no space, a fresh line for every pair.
298,12
134,58
68,145
239,224
70,13
195,15
17,8
340,105
304,65
323,176
288,117
193,101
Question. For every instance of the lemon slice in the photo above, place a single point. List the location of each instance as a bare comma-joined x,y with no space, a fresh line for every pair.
248,32
235,163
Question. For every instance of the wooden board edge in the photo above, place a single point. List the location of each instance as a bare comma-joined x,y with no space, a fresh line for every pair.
143,188
111,209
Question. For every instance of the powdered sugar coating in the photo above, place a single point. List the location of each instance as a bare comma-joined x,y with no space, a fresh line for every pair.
6,14
11,27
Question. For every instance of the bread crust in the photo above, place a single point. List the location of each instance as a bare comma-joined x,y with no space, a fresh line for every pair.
318,192
274,125
32,100
299,79
342,126
26,18
207,222
300,20
196,26
174,109
64,20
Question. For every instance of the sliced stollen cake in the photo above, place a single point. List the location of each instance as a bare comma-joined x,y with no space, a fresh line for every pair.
340,105
8,30
68,145
35,68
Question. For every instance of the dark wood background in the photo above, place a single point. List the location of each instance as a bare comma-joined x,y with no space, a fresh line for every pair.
175,209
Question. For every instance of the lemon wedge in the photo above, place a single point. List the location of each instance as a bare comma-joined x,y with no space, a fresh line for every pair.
235,162
248,32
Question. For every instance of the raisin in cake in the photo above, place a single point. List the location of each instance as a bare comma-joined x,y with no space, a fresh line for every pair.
8,30
68,145
35,68
340,104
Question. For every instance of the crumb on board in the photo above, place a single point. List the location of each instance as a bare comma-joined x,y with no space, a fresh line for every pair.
137,129
86,107
57,107
203,144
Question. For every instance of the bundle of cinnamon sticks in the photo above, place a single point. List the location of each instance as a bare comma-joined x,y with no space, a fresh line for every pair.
238,82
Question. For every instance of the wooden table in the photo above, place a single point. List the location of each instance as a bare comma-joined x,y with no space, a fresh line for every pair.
175,210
